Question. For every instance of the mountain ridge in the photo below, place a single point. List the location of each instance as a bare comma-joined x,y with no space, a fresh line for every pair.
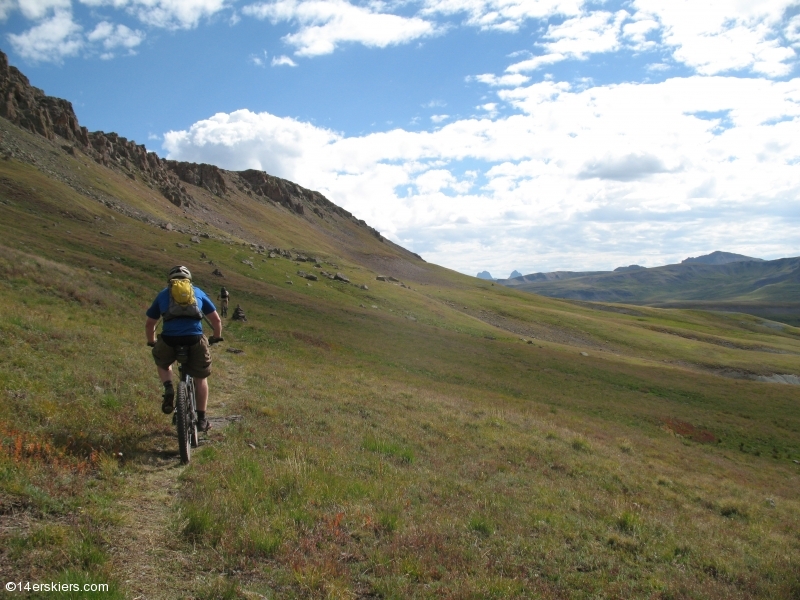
759,286
53,118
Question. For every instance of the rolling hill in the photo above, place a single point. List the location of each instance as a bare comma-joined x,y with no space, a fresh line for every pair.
769,289
383,427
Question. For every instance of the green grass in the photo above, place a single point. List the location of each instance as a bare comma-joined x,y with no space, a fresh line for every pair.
376,454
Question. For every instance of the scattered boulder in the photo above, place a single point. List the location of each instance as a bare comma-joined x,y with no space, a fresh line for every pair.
381,278
249,263
364,287
217,272
584,354
169,227
311,277
273,255
341,277
179,245
393,280
238,314
234,350
195,239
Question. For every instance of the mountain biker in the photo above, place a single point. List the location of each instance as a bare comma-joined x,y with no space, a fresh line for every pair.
224,297
183,330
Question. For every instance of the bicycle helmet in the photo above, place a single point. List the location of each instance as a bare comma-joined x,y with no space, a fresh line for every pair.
180,272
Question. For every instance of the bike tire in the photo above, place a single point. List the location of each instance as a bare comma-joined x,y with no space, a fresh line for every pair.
193,439
184,422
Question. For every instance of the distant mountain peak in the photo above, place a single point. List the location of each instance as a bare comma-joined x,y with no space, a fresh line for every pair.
719,258
515,273
485,275
629,268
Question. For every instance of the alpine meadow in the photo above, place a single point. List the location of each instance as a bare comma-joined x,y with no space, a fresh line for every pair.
382,427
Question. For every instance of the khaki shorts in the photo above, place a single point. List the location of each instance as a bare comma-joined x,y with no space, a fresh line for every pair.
199,364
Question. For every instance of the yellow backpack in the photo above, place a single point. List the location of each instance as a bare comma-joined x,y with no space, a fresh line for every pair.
182,301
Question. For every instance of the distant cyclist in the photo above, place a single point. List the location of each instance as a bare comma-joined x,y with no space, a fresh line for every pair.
182,305
223,298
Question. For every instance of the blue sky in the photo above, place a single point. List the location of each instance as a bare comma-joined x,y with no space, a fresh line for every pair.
483,134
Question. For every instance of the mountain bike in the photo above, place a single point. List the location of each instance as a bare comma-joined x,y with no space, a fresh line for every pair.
185,415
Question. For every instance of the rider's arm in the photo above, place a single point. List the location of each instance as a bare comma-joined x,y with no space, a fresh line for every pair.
150,330
216,323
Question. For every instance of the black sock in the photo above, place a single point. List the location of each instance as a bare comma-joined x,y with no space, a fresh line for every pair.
201,414
167,386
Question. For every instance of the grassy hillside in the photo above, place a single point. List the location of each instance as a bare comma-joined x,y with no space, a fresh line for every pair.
768,289
442,438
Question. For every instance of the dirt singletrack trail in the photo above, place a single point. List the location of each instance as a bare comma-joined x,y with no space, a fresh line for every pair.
149,557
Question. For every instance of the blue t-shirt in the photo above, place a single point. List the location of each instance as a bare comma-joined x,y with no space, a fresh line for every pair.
180,325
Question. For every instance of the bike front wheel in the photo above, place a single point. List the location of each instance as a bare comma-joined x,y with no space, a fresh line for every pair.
184,420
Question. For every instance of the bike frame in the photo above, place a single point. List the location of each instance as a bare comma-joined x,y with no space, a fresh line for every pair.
186,409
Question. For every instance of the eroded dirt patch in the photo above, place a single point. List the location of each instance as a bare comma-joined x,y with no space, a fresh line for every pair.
687,430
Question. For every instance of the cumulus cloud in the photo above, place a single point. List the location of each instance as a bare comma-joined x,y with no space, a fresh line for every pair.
623,168
562,176
112,36
283,61
51,40
34,9
503,15
715,37
325,24
259,60
168,14
577,38
508,80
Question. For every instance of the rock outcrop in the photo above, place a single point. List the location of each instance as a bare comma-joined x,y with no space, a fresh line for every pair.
29,108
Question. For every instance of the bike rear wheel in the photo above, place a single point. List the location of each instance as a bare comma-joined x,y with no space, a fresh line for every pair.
192,405
182,409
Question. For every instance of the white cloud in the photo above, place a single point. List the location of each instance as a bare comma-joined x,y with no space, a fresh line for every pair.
490,108
35,9
509,80
6,8
439,118
283,61
51,40
792,30
637,31
260,60
503,15
576,38
324,24
563,176
723,35
169,14
115,36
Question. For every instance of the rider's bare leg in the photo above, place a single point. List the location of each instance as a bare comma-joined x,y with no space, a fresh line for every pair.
165,374
201,393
